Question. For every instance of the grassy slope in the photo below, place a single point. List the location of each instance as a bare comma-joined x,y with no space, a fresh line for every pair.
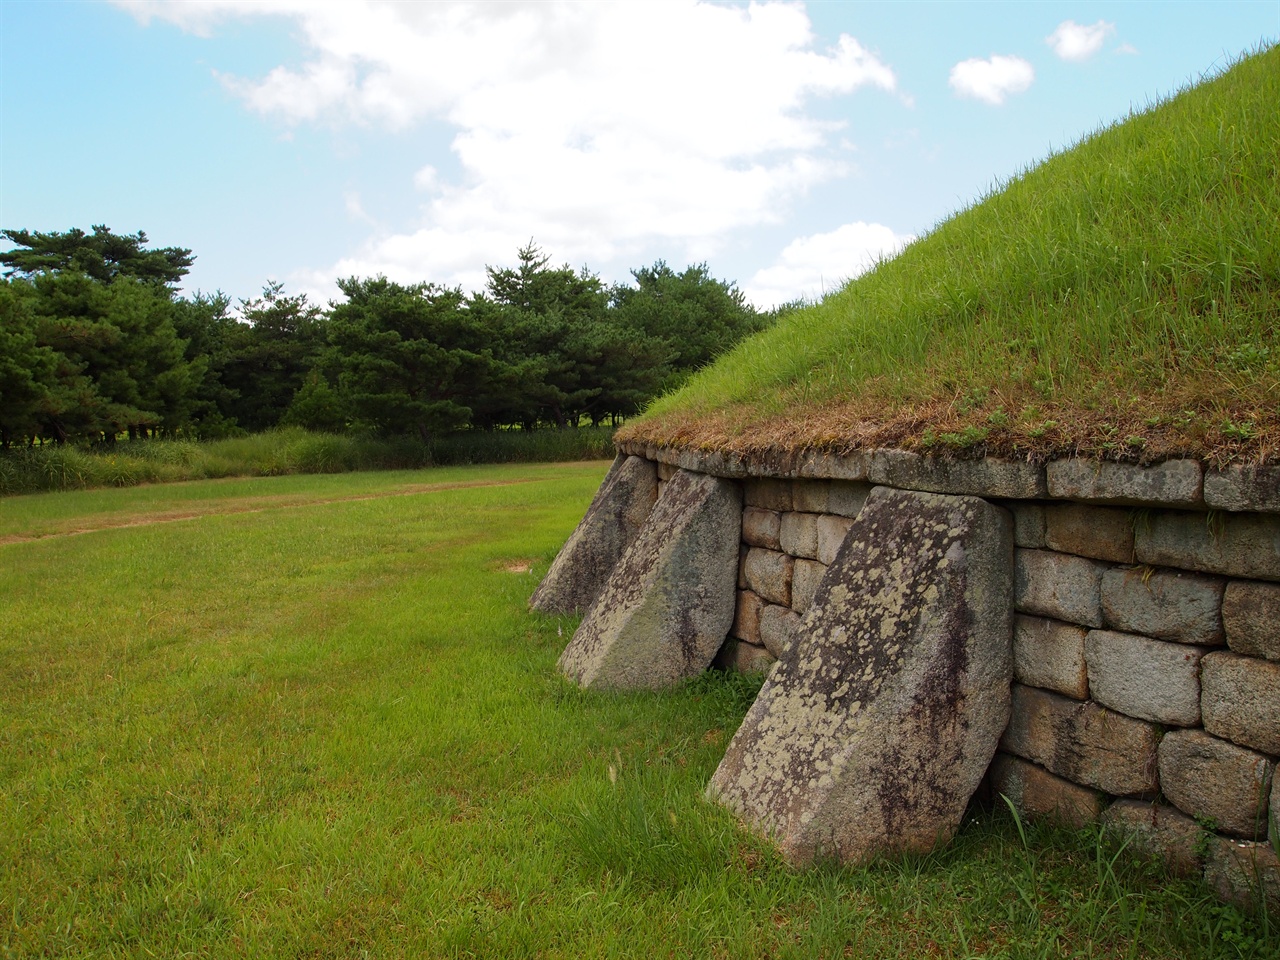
330,728
1122,299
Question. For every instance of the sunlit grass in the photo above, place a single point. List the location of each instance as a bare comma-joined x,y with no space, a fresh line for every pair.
329,727
1121,299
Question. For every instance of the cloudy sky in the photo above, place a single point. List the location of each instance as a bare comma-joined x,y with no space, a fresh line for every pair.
785,144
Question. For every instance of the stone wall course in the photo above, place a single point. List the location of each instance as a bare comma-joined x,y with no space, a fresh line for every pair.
1238,545
1172,483
805,577
1240,699
769,493
1251,618
1058,585
739,656
768,573
1167,604
799,535
1083,742
1144,678
810,496
1038,794
778,628
1010,479
1028,524
746,617
1246,874
1212,779
846,498
1103,533
1161,833
831,533
1049,653
1244,487
761,528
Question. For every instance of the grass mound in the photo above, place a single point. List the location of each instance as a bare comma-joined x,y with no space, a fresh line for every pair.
1119,300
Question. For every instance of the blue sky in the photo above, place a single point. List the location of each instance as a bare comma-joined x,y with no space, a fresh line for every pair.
784,144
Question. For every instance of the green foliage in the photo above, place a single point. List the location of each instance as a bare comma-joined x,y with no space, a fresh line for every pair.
102,256
317,406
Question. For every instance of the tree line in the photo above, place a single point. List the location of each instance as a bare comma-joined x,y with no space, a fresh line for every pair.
96,343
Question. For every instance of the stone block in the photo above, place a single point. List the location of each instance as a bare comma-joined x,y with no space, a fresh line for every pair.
831,533
1103,533
662,485
1238,545
810,496
1244,487
1038,794
1215,780
1172,483
778,626
739,656
1251,618
1168,604
989,477
767,492
1050,654
805,577
743,549
1240,699
670,600
799,535
1145,678
873,732
1058,585
612,522
666,471
768,573
1245,874
846,498
1158,832
1084,742
1029,524
761,528
746,618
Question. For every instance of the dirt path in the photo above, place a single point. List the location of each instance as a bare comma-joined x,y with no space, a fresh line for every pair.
248,505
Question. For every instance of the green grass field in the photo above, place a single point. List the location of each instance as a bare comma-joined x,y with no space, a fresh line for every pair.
310,716
1119,300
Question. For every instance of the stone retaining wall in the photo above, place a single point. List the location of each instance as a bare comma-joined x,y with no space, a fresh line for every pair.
1146,643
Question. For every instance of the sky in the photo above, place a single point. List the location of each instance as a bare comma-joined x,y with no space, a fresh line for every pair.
786,145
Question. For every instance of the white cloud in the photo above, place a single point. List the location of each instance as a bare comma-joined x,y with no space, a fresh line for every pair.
813,266
597,128
1128,49
991,80
1074,41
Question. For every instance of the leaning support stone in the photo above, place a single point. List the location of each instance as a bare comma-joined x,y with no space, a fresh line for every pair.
613,521
670,600
877,725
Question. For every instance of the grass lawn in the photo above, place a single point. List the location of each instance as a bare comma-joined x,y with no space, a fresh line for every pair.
310,716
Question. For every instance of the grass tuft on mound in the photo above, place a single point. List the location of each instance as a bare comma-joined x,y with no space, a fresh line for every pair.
1120,300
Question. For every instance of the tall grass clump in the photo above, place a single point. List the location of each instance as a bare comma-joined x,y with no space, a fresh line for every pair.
279,452
1121,299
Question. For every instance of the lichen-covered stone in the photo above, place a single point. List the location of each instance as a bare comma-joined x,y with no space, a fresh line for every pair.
989,477
760,528
778,629
873,732
1058,585
805,577
671,599
1238,545
1212,779
1084,742
1240,699
1246,874
1145,678
1038,794
612,523
1172,483
1168,604
768,573
799,534
1050,654
831,533
1244,487
746,617
1251,618
1157,832
1103,533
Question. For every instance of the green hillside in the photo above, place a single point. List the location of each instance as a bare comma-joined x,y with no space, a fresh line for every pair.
1122,300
